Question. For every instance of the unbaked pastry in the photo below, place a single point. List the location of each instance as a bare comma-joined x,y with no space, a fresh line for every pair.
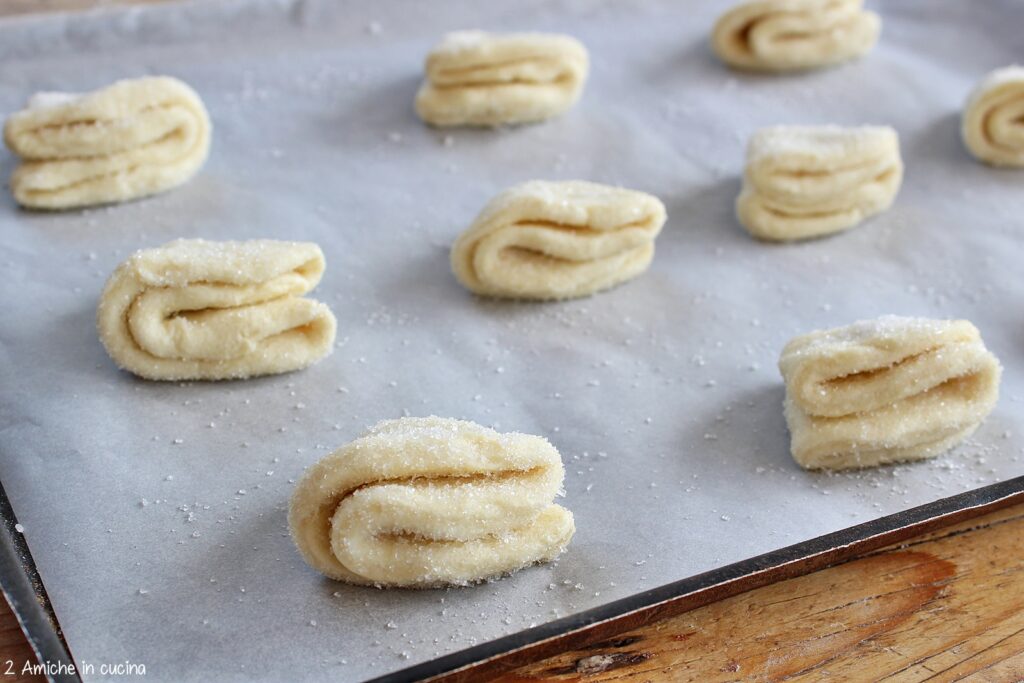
787,35
804,181
429,501
131,139
194,309
993,122
486,79
558,240
887,390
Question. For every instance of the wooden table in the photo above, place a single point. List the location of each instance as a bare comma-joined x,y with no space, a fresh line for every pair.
945,606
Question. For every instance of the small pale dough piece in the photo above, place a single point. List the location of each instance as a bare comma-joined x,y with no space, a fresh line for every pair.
993,121
427,502
475,78
130,139
558,240
807,181
887,390
194,309
792,35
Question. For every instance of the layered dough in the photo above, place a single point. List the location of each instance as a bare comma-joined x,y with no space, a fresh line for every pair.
558,240
808,181
425,502
475,78
993,120
887,390
788,35
194,309
128,140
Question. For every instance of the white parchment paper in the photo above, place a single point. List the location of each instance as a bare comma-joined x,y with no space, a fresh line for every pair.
156,512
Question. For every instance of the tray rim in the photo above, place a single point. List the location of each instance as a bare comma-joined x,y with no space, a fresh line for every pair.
501,655
26,594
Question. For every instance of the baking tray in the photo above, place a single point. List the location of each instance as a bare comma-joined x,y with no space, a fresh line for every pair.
25,592
161,539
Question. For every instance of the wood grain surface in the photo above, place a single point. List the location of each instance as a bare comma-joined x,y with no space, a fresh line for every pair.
15,651
947,606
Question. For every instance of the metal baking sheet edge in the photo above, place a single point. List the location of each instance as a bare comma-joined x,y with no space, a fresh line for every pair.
27,597
590,627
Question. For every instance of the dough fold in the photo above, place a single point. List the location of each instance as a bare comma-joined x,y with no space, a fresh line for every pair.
558,240
130,139
792,35
427,502
194,309
887,390
993,120
804,181
475,78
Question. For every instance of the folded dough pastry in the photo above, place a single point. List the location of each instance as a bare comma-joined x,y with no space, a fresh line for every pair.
886,390
787,35
424,502
131,139
558,240
475,78
993,122
805,182
193,309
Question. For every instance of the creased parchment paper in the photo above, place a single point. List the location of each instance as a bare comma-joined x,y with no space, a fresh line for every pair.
156,512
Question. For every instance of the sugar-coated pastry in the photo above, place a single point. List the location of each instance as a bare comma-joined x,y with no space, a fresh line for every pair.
424,502
475,78
993,120
887,390
808,181
194,309
131,139
790,35
558,240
